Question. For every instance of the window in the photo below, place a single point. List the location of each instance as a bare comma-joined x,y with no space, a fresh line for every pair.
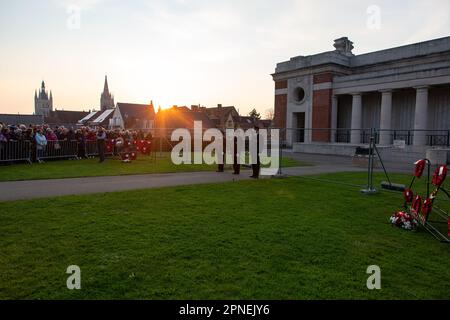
299,94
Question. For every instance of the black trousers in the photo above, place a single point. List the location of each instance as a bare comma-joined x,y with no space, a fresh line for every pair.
256,168
101,150
221,167
237,168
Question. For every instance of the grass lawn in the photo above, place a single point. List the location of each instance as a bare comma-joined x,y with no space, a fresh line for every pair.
111,167
270,239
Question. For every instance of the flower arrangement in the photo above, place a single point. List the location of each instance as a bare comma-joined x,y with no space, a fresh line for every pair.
404,220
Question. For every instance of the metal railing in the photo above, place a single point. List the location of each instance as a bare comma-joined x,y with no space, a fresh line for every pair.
91,148
15,151
57,150
431,138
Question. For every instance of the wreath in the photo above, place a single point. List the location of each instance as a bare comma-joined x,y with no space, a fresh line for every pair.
404,220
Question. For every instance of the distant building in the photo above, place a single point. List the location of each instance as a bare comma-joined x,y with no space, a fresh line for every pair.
43,102
247,122
133,116
222,117
176,117
403,92
229,118
106,99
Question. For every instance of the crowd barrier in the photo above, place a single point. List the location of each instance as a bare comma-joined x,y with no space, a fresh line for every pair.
143,146
57,150
15,151
91,148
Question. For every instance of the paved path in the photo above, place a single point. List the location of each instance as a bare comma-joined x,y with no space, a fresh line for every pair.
346,161
17,190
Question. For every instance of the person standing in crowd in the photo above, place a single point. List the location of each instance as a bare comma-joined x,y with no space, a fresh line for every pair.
101,141
51,136
41,144
256,166
3,134
3,141
80,137
70,136
149,136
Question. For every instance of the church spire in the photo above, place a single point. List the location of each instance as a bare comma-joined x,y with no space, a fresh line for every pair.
106,98
105,88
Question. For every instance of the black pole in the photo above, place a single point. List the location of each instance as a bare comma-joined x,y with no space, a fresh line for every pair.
280,147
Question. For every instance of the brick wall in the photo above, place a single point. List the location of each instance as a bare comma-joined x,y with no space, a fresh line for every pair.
323,78
321,110
321,115
281,85
280,110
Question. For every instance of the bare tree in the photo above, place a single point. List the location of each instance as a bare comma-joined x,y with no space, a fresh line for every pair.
270,114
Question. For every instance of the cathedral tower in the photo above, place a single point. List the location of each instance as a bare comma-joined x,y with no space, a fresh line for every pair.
43,104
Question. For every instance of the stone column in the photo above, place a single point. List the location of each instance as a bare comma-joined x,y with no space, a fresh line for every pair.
421,116
386,118
355,137
334,117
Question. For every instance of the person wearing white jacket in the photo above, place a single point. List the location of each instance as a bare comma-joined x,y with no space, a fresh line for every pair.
41,143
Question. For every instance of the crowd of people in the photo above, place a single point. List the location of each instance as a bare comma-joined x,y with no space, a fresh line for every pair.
60,133
121,142
40,136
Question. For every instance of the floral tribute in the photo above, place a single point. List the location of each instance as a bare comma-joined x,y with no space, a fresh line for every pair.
416,208
404,220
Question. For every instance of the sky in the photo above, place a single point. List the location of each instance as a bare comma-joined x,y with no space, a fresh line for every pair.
184,52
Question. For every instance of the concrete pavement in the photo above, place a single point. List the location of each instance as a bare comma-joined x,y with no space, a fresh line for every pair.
18,190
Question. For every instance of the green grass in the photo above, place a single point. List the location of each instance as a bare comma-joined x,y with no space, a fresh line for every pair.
111,167
269,239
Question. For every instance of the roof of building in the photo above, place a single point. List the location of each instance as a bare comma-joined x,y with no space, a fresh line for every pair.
219,112
102,118
134,110
247,122
65,117
343,55
16,119
90,116
176,117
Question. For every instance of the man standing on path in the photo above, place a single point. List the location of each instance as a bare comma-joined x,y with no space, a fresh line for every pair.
256,166
236,154
101,141
221,156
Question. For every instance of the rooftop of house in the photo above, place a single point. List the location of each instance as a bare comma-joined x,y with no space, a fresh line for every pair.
63,116
16,119
182,117
134,110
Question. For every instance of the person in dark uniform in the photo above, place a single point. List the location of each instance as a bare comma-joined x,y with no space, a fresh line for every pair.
236,155
257,166
221,167
101,142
